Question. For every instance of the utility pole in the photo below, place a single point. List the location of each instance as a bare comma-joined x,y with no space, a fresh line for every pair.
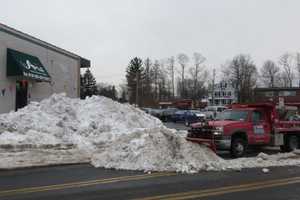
213,87
137,89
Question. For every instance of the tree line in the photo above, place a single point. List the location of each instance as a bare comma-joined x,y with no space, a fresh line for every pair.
187,77
150,81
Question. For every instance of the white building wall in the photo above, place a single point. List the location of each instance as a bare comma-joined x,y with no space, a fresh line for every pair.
221,94
63,70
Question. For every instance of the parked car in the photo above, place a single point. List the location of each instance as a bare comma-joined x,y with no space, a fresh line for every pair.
168,113
188,116
194,116
212,111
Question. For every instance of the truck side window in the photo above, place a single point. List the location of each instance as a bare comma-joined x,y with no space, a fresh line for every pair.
257,116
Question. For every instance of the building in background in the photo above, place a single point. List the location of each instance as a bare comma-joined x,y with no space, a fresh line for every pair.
31,70
222,94
290,95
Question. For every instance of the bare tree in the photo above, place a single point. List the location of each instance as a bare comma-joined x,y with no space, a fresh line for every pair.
171,68
283,80
147,89
285,62
242,73
298,66
155,77
183,60
270,73
196,72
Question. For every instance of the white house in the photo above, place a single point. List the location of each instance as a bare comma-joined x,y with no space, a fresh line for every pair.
224,93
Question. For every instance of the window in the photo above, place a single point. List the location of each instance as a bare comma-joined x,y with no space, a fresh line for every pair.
257,116
268,94
287,93
233,115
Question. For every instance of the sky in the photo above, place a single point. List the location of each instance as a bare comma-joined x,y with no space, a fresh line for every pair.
111,32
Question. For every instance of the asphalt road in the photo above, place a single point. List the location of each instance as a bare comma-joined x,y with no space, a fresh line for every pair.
84,182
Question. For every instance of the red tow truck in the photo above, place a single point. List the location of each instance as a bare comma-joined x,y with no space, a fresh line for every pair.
245,125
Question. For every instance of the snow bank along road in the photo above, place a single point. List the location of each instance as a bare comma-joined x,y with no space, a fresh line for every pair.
82,182
61,130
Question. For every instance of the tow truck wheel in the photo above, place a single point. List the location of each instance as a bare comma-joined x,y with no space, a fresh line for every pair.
238,147
291,143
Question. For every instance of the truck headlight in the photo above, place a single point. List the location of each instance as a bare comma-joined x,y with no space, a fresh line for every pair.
217,133
218,130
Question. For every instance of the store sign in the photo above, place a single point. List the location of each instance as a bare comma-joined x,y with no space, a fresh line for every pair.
21,64
31,66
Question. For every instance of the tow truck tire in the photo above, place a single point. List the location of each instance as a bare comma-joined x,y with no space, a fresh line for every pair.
291,143
238,147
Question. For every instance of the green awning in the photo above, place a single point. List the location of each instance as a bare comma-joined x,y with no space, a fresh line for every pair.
22,64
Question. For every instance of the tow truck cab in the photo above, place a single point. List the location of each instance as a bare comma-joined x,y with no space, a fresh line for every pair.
243,125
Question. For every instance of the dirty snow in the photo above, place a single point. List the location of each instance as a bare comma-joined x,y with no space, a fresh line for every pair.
61,130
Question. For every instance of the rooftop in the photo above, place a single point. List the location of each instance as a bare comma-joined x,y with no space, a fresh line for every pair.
84,63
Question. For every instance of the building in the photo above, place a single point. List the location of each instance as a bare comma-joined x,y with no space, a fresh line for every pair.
223,94
290,95
31,69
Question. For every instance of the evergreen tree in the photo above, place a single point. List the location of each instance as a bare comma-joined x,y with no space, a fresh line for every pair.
135,76
89,87
107,91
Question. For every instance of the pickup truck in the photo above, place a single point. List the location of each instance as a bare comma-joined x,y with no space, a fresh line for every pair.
245,125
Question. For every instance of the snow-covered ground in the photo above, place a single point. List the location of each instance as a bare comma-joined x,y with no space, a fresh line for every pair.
107,134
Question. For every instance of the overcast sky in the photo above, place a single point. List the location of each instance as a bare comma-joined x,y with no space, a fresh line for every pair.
111,32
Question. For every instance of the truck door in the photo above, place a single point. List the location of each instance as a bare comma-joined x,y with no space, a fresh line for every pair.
261,127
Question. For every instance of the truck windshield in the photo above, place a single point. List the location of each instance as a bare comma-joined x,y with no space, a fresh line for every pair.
233,115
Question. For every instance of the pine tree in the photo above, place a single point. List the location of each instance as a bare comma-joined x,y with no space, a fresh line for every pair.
135,76
89,84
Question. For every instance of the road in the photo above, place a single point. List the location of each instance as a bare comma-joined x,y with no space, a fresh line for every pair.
84,182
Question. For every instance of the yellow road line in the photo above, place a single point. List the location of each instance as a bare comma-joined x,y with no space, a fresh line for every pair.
235,190
225,190
81,184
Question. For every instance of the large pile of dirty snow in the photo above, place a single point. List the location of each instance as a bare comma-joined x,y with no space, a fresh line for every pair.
158,149
59,120
112,135
107,134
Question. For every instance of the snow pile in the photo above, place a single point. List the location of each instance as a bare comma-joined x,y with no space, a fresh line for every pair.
107,134
157,149
62,120
265,160
112,135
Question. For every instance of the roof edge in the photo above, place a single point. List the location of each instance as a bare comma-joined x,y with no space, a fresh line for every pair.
32,39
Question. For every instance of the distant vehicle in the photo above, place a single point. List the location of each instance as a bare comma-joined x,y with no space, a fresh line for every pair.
147,110
212,111
168,113
156,113
188,116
